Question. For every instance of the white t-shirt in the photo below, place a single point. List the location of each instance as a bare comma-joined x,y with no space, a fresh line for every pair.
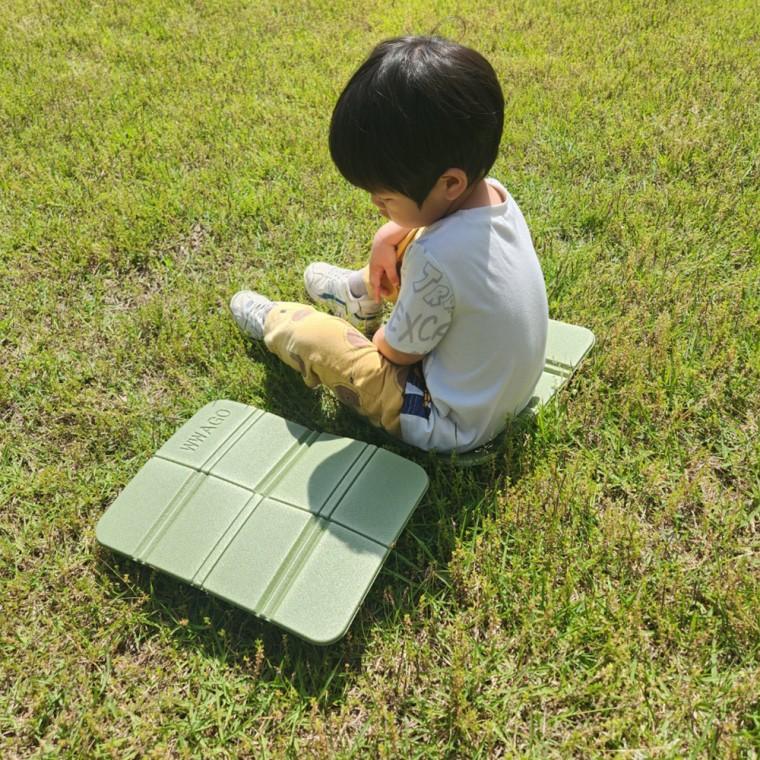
473,301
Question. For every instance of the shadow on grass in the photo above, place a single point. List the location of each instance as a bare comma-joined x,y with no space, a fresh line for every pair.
455,504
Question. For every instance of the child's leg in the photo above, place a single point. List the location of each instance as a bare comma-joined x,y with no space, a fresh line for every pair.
327,350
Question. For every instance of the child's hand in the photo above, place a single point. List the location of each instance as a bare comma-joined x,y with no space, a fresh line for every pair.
383,277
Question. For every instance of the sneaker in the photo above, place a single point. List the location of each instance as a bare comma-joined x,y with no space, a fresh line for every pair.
250,310
328,284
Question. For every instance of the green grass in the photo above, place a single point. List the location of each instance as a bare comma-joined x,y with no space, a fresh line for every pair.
594,592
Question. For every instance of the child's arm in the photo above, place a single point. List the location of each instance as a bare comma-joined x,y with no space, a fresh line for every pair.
382,260
391,354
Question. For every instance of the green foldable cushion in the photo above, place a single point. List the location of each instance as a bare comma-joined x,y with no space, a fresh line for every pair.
566,347
287,523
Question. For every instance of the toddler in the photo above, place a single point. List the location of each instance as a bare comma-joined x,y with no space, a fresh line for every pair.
418,127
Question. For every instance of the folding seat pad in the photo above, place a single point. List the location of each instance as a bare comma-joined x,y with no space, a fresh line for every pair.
290,524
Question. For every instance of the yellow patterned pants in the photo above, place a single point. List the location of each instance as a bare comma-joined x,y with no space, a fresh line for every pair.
328,351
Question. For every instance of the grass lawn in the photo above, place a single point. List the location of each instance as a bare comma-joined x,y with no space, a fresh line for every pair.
594,592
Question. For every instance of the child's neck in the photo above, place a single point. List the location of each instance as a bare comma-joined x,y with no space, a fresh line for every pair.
479,194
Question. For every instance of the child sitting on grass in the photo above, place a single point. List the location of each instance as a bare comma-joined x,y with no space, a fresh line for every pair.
418,127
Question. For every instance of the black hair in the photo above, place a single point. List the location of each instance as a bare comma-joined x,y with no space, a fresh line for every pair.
416,107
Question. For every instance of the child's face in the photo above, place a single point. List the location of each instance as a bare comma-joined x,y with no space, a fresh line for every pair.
406,213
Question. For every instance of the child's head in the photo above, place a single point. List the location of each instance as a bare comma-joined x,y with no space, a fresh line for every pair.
415,108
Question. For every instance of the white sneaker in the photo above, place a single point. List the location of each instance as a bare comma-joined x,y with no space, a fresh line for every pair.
328,284
250,310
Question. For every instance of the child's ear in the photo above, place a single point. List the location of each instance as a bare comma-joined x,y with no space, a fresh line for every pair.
454,183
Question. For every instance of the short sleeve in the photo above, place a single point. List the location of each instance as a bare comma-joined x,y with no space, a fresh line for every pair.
425,306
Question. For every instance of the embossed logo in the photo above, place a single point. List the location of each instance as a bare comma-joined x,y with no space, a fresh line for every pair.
204,431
